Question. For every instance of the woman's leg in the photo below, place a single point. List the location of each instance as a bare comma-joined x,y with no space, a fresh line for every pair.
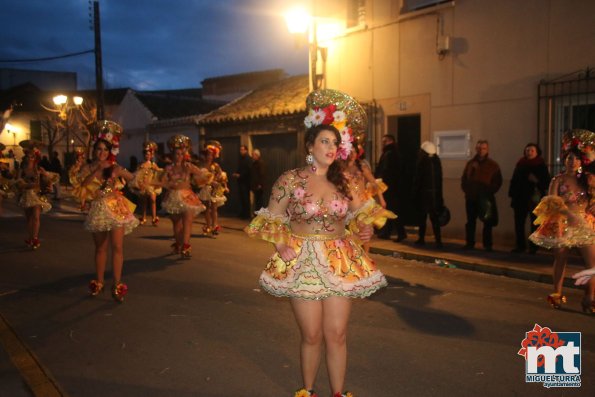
178,226
101,248
36,222
308,315
188,218
143,201
153,199
589,258
117,241
208,218
29,223
335,317
560,257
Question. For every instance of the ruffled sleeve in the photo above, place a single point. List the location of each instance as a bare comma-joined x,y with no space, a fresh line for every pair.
82,193
550,207
269,227
368,214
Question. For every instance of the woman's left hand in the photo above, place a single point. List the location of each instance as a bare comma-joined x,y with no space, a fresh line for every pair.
365,233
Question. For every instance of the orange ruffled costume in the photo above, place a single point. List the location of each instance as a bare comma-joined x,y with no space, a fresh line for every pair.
559,227
326,265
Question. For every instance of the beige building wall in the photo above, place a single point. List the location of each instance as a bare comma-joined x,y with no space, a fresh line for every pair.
486,83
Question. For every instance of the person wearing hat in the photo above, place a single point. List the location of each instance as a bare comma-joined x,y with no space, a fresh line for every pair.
318,265
111,215
146,175
34,183
566,216
427,191
180,202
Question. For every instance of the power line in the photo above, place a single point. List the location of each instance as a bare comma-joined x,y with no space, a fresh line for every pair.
74,54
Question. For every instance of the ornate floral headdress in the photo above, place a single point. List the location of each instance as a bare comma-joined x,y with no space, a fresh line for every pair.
179,142
111,132
332,107
214,147
581,140
149,146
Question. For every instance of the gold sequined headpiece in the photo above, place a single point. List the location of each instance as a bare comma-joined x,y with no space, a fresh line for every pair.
179,142
111,132
332,107
149,146
581,140
214,147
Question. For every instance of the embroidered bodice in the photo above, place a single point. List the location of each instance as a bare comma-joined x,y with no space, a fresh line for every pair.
573,194
149,165
313,204
178,176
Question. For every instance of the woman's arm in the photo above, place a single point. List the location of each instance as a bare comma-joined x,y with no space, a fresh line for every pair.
369,177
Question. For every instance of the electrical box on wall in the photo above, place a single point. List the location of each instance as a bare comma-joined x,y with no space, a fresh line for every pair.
443,44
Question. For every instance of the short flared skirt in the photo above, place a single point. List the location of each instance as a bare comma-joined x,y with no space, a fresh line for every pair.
111,212
558,232
325,267
182,200
209,195
30,198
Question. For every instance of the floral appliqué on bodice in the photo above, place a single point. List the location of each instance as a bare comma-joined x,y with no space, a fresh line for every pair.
322,215
573,196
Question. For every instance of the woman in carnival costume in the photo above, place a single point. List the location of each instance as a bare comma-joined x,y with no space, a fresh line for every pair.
82,194
111,215
566,215
361,180
6,178
213,193
34,183
146,176
180,201
317,227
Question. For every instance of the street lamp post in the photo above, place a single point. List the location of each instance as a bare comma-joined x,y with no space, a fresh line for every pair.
299,22
64,108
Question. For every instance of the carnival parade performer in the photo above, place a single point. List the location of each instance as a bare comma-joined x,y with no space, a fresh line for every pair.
213,193
180,201
566,215
6,178
361,181
111,215
317,227
147,174
34,183
82,194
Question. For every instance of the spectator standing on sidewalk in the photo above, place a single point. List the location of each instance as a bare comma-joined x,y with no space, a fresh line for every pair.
427,191
480,182
257,178
528,185
388,169
242,174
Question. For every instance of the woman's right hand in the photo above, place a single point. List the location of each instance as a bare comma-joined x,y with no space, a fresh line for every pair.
285,252
584,276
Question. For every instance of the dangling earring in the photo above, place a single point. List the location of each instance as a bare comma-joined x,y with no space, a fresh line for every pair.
310,162
579,171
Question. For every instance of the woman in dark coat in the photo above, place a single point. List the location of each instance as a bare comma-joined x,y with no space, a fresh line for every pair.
427,189
528,185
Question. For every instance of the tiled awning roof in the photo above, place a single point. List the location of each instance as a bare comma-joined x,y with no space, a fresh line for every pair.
280,98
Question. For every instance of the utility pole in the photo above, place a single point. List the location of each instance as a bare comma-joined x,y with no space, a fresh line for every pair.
98,62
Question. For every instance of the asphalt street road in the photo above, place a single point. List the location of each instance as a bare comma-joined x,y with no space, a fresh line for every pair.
202,327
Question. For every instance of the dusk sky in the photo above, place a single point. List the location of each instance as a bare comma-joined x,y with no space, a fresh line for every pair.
151,44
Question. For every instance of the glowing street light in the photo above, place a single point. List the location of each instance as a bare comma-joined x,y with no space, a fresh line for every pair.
63,107
298,22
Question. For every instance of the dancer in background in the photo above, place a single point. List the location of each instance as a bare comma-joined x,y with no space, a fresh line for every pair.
147,175
34,183
111,215
317,264
180,201
213,193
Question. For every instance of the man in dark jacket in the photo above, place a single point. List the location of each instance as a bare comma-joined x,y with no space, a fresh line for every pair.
480,181
243,176
257,177
427,191
388,169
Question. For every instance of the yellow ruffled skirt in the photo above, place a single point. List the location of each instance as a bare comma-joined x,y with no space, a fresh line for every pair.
182,200
325,266
110,212
31,198
558,230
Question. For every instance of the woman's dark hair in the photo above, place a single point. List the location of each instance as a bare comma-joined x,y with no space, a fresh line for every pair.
582,177
335,171
536,146
107,172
